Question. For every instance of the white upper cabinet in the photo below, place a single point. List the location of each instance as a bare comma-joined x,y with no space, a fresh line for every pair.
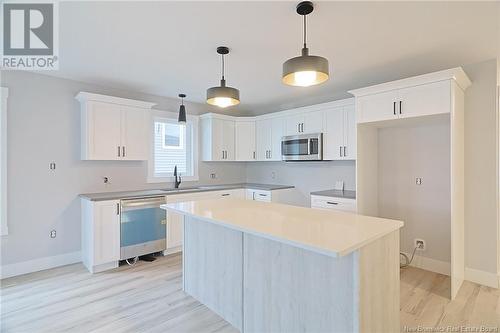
377,107
245,140
263,138
134,136
304,123
218,138
268,133
339,138
423,95
425,99
113,128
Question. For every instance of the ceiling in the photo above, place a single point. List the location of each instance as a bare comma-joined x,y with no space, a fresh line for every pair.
164,48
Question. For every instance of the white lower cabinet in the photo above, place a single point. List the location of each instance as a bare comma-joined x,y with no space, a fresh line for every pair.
175,224
258,195
100,234
332,203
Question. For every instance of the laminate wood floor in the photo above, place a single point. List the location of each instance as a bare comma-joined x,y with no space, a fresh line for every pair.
148,298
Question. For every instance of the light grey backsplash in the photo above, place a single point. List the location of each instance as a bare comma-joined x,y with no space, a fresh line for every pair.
305,176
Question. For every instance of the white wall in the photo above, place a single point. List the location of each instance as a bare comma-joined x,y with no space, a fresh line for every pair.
408,152
480,167
44,126
305,176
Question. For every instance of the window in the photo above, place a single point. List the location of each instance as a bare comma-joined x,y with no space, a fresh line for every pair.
173,145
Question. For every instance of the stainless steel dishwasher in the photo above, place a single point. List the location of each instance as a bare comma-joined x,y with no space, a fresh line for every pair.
142,227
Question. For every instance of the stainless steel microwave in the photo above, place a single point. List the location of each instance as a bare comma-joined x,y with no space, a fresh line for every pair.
303,147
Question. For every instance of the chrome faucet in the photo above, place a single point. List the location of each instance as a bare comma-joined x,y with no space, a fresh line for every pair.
177,181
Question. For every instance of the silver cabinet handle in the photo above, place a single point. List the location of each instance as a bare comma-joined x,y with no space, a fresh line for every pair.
123,151
117,209
270,154
400,107
298,128
394,108
263,195
254,155
345,151
302,126
118,151
222,155
225,194
340,151
332,203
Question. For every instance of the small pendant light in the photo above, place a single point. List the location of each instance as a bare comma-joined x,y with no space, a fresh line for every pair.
182,110
305,70
223,96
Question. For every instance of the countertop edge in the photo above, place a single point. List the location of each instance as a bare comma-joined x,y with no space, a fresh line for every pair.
137,194
334,254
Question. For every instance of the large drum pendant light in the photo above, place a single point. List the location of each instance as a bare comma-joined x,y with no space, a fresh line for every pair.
223,96
305,70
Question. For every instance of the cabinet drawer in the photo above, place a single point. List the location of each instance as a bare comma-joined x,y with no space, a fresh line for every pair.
343,204
260,195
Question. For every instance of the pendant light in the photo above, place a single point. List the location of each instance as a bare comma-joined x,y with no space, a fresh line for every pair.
305,70
223,96
182,110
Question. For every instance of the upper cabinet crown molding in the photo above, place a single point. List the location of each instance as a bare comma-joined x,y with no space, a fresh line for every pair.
84,96
457,74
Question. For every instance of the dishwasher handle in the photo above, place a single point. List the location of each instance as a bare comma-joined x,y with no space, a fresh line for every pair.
142,203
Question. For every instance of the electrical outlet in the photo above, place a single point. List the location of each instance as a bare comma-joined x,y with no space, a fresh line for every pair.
420,244
52,166
53,234
418,181
105,180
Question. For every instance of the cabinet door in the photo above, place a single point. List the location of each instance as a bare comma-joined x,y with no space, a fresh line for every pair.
349,133
377,107
217,127
263,138
333,139
228,139
106,231
104,131
135,136
277,129
293,124
426,99
245,140
175,228
313,122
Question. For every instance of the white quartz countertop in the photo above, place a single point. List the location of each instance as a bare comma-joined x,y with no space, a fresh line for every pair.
328,232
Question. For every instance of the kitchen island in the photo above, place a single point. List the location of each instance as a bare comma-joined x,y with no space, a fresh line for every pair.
267,267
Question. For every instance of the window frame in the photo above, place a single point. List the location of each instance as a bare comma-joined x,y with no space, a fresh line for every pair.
169,115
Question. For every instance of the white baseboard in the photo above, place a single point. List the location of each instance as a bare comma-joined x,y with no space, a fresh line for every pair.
39,264
442,267
433,265
481,277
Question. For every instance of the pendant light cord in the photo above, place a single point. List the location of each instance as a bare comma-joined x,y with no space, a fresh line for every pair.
305,31
222,66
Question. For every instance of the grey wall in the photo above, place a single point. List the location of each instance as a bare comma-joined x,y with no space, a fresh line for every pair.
481,153
44,126
305,176
405,153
